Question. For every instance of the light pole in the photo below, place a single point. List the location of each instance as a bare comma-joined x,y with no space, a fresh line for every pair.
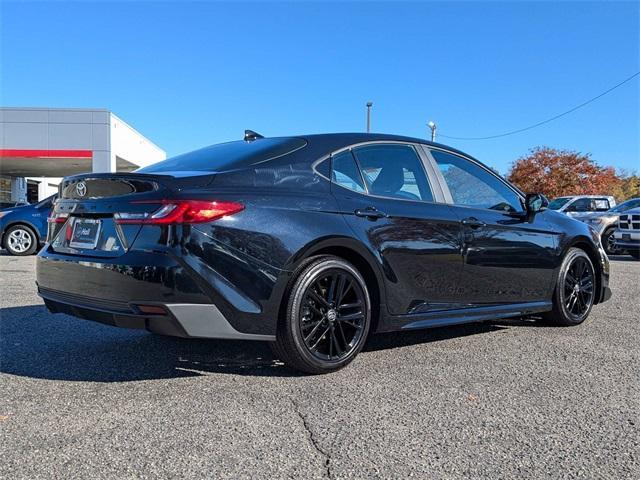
369,105
432,125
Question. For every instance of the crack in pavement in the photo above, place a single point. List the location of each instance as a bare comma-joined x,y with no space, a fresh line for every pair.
312,439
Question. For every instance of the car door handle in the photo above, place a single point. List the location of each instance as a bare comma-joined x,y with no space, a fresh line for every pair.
473,222
370,213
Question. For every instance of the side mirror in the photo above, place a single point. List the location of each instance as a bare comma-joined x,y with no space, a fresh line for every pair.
536,202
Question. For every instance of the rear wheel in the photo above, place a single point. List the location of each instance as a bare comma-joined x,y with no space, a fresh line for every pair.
327,318
608,242
575,290
20,240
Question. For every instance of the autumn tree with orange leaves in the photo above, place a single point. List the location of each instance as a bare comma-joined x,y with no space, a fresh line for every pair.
561,172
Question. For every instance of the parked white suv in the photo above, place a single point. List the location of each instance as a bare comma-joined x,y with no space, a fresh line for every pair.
627,235
579,205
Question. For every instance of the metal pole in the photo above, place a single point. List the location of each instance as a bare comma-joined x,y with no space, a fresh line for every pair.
369,105
432,125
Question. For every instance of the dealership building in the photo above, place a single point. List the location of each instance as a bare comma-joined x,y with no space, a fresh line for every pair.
39,146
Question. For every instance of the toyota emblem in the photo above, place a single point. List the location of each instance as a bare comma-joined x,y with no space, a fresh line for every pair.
81,189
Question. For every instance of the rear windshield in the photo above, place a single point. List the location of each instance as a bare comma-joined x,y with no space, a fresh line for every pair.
228,156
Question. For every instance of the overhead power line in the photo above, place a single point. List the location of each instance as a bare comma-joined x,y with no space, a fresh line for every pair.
513,132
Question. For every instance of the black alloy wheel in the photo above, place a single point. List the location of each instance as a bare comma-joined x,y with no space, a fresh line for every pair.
578,287
327,319
608,242
575,290
332,318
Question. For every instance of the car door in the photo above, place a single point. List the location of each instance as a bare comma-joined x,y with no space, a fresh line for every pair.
508,258
385,196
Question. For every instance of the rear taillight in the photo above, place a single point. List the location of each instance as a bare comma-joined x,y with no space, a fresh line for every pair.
180,211
57,218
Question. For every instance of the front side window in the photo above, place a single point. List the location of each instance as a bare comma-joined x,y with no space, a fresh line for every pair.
393,171
558,203
472,186
580,205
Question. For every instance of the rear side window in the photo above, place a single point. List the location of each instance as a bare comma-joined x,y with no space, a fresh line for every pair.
600,205
345,172
393,171
228,156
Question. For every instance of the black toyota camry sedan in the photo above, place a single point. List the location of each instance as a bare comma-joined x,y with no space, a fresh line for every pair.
313,243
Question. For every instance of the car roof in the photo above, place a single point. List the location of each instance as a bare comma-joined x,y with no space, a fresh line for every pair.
594,196
586,196
279,151
340,140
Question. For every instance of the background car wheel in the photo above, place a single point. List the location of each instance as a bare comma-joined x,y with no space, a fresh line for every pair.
327,317
575,290
20,240
608,242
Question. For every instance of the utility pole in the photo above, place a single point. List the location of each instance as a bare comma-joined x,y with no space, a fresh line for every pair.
369,105
432,125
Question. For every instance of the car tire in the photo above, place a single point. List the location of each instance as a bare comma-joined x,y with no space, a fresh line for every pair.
607,242
327,318
635,254
575,290
20,240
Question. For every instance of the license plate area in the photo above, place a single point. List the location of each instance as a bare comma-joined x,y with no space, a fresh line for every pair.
85,234
626,237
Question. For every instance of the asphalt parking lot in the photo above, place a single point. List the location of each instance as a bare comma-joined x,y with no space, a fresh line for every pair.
496,400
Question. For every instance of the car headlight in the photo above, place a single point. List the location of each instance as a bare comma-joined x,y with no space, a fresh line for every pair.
595,221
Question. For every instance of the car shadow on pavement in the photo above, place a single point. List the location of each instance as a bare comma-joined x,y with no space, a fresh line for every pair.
35,343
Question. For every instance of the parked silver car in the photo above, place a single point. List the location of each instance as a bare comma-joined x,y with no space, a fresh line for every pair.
605,223
627,235
577,206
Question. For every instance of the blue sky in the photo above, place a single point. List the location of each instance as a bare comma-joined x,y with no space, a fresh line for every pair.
189,74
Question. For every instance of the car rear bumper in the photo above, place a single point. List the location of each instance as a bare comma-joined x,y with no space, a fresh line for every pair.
178,319
192,298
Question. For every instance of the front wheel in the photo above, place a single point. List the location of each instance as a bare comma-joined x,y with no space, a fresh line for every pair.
575,289
20,240
327,318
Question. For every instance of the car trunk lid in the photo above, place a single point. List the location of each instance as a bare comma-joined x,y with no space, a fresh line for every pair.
82,221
